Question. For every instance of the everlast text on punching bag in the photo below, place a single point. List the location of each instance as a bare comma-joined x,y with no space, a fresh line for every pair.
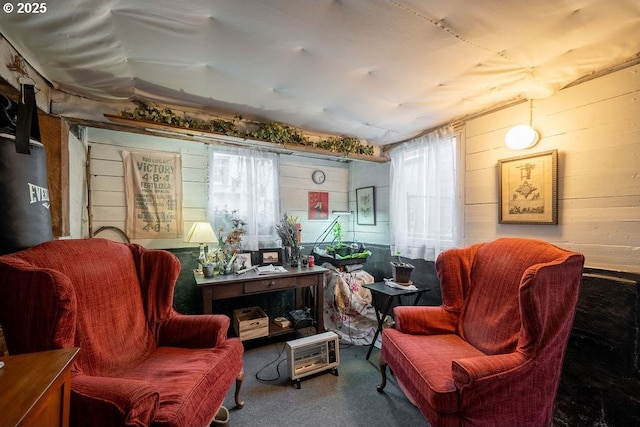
25,218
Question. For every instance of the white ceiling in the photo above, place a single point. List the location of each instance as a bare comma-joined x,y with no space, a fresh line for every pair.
380,70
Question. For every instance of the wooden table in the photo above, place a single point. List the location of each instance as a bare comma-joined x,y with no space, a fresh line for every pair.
252,283
35,388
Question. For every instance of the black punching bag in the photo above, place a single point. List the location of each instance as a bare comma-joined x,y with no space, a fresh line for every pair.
25,217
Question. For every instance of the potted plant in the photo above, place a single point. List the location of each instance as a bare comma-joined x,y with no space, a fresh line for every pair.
401,270
289,232
340,247
229,243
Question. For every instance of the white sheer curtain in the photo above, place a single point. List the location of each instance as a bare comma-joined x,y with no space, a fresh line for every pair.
246,181
424,202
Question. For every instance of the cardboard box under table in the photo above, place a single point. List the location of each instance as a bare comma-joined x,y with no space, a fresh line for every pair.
250,322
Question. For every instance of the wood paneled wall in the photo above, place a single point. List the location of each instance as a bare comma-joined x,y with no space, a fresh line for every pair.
368,175
108,204
595,126
295,185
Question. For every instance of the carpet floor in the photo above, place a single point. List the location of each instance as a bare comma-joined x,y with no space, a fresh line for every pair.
348,399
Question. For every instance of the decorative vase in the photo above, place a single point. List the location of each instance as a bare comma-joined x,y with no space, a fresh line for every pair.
208,270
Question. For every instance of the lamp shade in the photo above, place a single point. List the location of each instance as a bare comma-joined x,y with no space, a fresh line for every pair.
201,232
521,137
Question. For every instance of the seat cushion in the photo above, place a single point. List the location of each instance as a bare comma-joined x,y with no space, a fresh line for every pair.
422,363
190,382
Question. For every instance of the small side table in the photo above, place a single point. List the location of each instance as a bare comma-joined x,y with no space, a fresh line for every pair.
36,388
383,296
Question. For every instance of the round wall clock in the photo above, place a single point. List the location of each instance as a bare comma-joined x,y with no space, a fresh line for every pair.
318,176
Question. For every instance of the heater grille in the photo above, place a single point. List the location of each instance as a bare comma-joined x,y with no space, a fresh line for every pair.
312,355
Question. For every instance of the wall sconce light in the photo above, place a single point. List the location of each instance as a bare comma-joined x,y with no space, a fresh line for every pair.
522,136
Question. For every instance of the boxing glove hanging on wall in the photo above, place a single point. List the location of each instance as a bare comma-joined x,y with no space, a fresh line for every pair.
25,217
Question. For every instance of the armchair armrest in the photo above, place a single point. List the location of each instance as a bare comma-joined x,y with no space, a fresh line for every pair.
119,401
503,377
425,320
193,331
467,371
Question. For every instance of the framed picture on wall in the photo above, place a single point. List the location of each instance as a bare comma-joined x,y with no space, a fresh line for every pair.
529,189
318,205
366,206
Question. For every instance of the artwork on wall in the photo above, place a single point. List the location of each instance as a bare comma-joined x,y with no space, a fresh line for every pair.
366,206
318,205
529,189
153,192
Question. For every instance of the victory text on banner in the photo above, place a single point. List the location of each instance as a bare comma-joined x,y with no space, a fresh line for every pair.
153,187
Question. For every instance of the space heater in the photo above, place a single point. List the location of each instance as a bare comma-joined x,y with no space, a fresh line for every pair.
311,355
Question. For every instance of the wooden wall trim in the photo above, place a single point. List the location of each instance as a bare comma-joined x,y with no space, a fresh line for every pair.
55,137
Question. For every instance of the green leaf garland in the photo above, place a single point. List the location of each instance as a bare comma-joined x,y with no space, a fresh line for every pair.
277,133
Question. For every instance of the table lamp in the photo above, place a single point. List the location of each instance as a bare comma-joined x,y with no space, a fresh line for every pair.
201,233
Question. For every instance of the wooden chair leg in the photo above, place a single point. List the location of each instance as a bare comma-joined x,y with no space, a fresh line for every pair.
383,372
239,380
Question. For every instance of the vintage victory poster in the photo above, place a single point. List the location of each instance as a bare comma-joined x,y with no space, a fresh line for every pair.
153,189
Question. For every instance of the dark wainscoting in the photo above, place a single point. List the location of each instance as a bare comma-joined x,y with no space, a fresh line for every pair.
600,383
186,297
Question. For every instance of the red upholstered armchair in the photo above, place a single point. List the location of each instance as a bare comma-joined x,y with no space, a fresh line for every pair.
141,363
492,353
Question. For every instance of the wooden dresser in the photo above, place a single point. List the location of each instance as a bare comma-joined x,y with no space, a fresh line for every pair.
35,388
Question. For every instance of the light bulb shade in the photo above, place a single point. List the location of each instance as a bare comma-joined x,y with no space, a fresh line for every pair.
201,232
521,137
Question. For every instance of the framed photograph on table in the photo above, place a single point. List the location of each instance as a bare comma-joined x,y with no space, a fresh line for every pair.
366,206
270,256
529,189
244,260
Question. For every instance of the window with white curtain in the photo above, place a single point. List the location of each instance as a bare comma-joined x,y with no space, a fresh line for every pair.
245,181
424,198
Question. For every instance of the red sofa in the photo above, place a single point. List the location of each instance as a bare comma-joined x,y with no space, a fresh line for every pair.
492,353
141,363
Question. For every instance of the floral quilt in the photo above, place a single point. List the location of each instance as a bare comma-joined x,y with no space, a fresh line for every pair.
348,309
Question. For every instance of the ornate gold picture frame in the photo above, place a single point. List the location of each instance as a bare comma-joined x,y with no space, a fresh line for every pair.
529,189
